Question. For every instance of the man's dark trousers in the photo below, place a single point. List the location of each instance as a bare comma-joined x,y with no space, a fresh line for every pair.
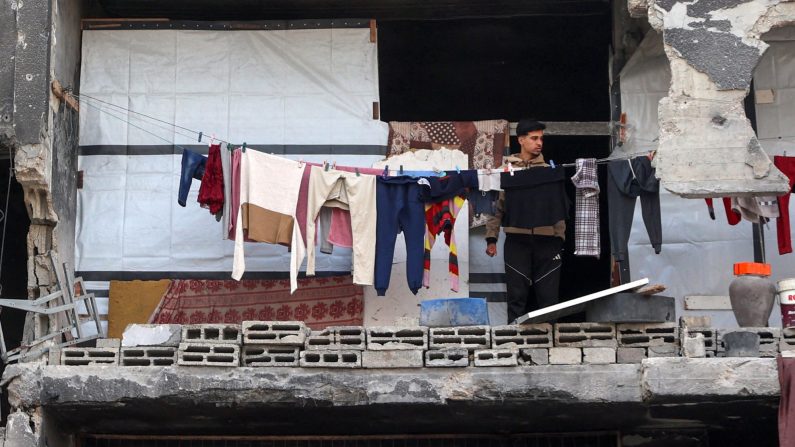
531,261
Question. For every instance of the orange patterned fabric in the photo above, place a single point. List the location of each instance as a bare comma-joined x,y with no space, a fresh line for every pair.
319,302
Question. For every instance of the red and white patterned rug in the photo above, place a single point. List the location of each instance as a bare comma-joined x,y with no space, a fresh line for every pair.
319,302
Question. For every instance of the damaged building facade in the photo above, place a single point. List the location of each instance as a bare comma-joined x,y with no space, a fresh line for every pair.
704,83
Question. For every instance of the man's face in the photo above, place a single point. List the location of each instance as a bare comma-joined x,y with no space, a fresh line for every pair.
532,143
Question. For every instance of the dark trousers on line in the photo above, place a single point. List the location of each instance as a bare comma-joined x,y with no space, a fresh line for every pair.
531,263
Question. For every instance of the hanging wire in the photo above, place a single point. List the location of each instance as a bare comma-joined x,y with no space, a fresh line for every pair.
167,126
197,132
174,125
133,125
134,112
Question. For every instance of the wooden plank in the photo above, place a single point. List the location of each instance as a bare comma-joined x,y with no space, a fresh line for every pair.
707,302
373,31
573,306
58,91
590,128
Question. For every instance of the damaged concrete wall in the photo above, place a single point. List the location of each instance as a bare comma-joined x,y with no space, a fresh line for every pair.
41,131
707,147
65,67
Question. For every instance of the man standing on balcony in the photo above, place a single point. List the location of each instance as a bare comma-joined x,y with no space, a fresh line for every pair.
532,255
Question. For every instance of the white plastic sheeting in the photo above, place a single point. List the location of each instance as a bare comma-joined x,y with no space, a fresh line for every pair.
698,253
297,87
291,87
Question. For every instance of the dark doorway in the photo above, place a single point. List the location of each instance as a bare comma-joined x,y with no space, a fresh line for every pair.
552,68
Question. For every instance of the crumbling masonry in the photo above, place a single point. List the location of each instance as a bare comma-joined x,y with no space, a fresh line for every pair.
707,147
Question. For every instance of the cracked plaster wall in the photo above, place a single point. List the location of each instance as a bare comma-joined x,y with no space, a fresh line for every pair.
707,147
41,131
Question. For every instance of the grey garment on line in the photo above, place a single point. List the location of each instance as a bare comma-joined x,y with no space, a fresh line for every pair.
323,230
226,168
626,181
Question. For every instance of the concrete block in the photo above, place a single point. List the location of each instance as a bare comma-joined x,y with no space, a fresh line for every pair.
710,336
522,336
565,356
258,355
598,356
208,354
388,338
89,356
331,359
212,333
393,359
693,346
769,339
582,335
741,344
152,335
645,335
470,337
496,357
534,356
630,355
54,356
335,338
445,312
275,333
662,351
148,356
787,342
695,321
445,358
109,343
631,307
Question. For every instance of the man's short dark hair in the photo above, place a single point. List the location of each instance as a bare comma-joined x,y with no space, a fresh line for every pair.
528,125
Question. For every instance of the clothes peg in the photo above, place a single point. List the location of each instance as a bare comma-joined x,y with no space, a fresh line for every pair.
200,137
357,172
325,168
457,169
401,169
244,146
552,163
334,164
510,168
386,171
229,147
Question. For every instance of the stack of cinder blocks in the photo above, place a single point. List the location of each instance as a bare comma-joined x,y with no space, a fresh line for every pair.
395,347
575,343
334,347
697,336
150,344
273,343
210,345
769,340
452,346
528,343
106,353
292,344
656,339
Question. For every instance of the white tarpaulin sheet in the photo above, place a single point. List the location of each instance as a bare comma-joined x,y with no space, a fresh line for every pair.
698,253
293,91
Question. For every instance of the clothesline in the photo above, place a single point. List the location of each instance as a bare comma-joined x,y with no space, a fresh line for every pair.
201,134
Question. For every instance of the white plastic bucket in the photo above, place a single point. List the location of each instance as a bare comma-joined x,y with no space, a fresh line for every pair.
786,298
786,291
